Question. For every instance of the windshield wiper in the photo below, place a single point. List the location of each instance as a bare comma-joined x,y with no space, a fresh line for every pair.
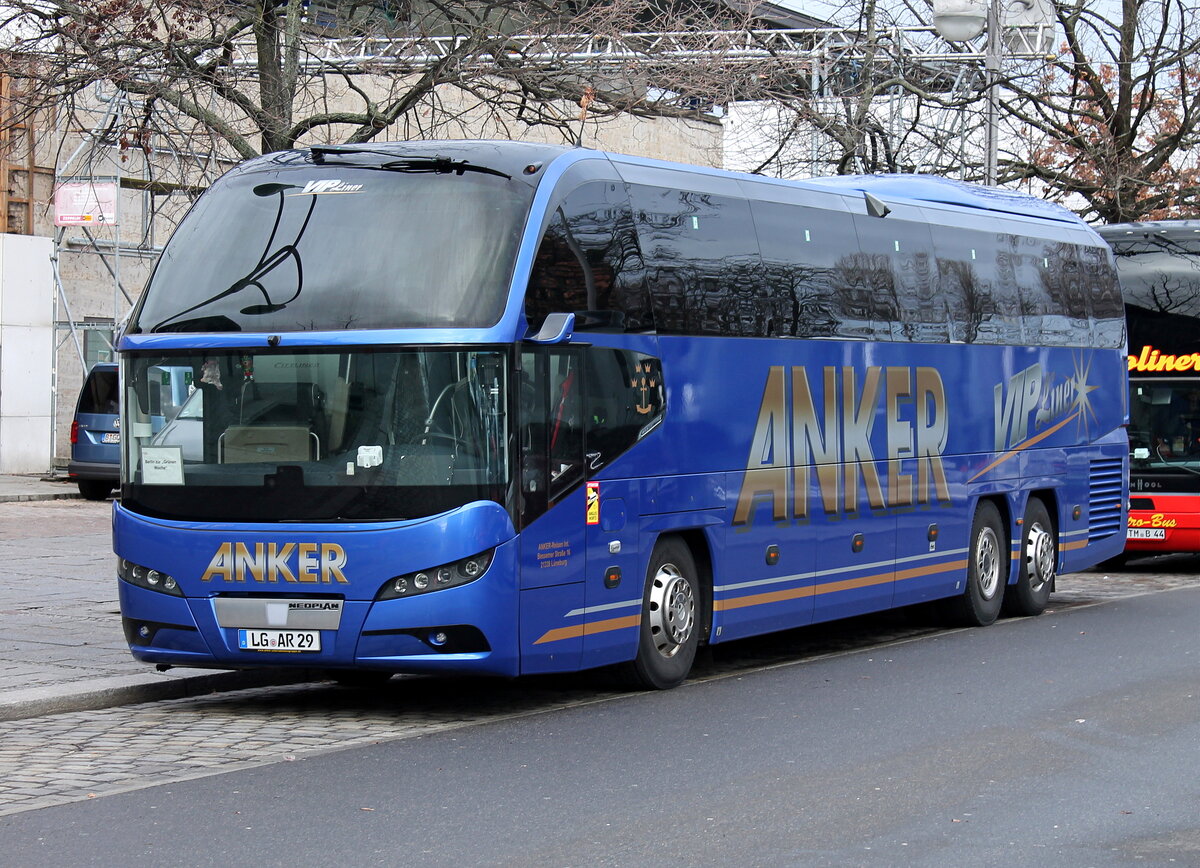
436,165
320,152
440,166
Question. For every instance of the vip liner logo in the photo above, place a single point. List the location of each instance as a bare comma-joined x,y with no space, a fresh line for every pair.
305,563
330,185
835,441
1031,401
1031,393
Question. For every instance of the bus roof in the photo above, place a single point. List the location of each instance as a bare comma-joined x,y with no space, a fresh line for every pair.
1172,230
944,191
512,157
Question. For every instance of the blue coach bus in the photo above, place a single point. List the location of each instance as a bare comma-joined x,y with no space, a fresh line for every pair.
507,408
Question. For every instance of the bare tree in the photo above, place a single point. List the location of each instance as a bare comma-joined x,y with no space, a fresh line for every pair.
1111,126
264,75
881,92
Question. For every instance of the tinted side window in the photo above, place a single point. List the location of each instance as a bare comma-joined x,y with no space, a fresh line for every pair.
588,263
1017,272
903,302
977,278
1108,313
703,267
99,393
1067,320
624,401
801,251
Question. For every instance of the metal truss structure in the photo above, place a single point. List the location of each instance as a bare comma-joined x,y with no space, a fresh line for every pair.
823,65
820,47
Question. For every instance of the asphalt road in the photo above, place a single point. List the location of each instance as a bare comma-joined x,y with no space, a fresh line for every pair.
1070,739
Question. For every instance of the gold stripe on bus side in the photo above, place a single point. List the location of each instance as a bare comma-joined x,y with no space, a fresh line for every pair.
589,629
760,599
833,587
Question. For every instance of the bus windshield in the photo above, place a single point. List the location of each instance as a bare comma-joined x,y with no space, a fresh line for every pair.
315,436
1164,423
1160,279
338,246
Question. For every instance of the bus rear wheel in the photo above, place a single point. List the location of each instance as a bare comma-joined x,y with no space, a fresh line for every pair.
987,570
1039,563
670,628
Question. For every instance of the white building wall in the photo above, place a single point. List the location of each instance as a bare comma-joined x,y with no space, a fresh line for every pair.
26,351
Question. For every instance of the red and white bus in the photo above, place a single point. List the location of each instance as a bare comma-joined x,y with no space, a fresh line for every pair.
1159,268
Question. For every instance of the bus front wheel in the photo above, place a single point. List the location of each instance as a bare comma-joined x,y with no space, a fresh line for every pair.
987,570
670,628
1039,563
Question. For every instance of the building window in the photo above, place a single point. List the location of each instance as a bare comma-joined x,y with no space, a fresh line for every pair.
98,341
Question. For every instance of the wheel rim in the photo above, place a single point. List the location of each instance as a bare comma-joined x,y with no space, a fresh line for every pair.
987,562
1039,557
672,610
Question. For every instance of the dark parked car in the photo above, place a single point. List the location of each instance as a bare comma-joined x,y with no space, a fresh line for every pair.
96,434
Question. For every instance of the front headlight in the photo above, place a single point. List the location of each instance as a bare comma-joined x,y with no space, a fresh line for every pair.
446,576
145,577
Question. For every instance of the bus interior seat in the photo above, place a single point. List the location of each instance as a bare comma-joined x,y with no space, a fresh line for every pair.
276,421
244,444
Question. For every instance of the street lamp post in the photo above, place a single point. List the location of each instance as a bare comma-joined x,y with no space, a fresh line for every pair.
992,72
958,21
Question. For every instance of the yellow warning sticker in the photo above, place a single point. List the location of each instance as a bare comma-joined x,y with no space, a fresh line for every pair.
593,503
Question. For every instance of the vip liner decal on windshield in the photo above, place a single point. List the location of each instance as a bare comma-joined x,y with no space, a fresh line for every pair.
330,185
834,433
306,563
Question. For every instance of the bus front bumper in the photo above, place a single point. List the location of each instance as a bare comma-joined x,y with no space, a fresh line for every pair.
1161,531
467,629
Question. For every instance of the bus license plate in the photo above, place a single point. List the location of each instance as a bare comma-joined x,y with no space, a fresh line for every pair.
1146,533
111,437
279,640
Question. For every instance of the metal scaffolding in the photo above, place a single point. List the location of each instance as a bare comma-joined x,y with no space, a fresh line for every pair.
824,47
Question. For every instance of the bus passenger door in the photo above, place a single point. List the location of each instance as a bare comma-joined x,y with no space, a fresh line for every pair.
552,507
623,402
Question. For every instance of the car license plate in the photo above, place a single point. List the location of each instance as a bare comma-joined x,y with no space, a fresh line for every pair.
279,640
111,437
1146,533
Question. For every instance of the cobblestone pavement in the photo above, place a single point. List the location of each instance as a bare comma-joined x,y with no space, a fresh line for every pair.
73,757
59,621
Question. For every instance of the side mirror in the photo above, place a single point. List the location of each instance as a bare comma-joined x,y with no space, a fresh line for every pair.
557,329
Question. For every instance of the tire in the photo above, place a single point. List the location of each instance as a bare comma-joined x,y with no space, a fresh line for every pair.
987,570
95,489
671,611
1039,563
